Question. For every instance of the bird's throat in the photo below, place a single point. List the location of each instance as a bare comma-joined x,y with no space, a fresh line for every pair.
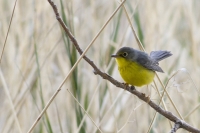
121,62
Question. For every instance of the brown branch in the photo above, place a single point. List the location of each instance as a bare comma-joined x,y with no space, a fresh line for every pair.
140,95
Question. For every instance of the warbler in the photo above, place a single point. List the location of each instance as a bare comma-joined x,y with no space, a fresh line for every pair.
137,68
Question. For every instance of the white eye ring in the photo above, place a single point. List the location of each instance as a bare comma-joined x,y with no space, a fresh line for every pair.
125,54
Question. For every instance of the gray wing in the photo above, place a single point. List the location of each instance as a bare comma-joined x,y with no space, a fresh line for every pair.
147,62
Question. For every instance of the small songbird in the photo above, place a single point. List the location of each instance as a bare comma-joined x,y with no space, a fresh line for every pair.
137,68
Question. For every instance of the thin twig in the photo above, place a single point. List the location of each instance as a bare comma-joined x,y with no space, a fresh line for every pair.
10,101
192,111
134,108
84,111
4,45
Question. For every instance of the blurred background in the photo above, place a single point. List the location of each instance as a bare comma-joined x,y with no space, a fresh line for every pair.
38,55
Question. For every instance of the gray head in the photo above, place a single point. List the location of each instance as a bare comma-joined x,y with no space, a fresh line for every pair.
127,53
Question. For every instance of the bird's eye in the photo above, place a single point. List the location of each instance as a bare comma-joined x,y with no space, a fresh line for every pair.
125,54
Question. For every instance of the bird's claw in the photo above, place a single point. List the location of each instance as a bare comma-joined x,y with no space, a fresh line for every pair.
125,86
132,87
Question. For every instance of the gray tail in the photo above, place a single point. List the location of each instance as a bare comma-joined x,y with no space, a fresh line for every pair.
160,55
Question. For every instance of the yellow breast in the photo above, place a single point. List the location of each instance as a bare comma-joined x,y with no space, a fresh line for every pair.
133,73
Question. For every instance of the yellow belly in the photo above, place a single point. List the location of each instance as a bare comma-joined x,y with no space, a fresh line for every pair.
135,74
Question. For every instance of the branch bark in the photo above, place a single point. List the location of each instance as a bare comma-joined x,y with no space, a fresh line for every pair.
140,95
177,125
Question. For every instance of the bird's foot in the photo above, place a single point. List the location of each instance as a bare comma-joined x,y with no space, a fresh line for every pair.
132,88
125,86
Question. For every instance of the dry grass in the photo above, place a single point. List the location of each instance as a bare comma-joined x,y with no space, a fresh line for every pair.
38,56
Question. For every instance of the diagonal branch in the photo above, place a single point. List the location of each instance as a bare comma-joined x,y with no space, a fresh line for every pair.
140,95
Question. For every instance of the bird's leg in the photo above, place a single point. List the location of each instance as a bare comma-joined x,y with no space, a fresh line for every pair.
132,87
148,96
125,86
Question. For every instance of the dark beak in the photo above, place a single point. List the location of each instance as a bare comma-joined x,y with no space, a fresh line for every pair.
114,55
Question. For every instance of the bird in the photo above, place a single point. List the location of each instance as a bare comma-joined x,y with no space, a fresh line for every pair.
137,68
